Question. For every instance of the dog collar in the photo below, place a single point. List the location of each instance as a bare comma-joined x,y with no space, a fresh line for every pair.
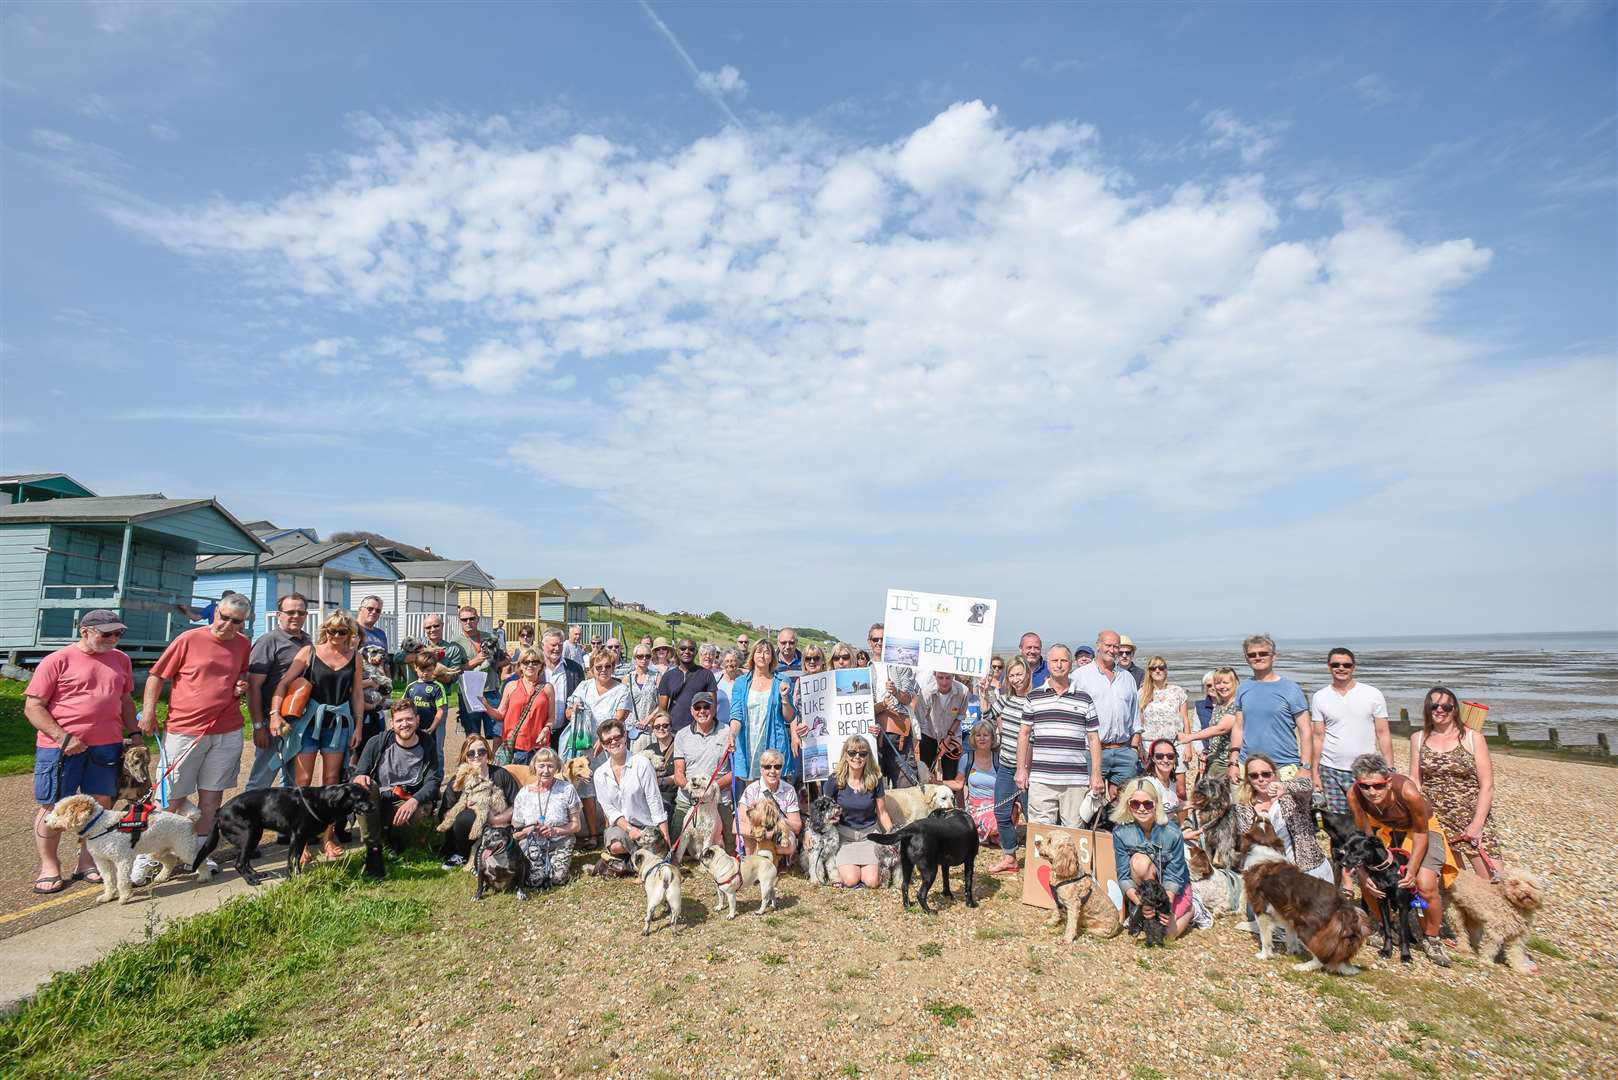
88,825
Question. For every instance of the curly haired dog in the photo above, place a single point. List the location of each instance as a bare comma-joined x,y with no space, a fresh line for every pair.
1151,915
1498,916
1216,820
478,794
822,840
171,839
135,773
1221,891
768,826
1075,890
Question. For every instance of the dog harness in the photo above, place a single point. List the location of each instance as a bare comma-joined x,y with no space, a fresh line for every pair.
732,879
1058,886
135,821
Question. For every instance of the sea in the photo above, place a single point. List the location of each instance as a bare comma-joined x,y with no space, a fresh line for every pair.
1530,682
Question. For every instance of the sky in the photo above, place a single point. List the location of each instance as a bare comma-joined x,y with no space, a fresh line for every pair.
1186,320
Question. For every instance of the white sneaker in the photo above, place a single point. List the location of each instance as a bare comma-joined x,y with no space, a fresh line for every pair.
144,869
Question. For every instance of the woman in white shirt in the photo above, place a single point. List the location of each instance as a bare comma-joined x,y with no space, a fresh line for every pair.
594,702
626,785
545,820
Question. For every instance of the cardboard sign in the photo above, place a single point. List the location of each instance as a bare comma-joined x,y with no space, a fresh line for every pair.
939,632
834,705
1095,857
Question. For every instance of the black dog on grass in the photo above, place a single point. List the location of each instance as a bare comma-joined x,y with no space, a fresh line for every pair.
942,839
303,813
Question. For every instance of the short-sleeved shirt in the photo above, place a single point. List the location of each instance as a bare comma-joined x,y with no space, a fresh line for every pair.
374,635
271,657
680,687
701,753
1116,702
1059,727
84,693
1350,721
941,714
859,807
203,671
1010,709
428,697
554,807
785,796
1268,713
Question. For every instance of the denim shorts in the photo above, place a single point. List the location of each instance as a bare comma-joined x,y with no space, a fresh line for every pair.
94,772
331,739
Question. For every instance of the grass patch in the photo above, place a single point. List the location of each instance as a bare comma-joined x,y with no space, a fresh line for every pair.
858,973
949,1014
1422,1027
1337,1021
1146,1072
1226,1005
1064,1053
1545,948
996,933
1417,1064
212,981
851,1069
917,1057
770,959
930,949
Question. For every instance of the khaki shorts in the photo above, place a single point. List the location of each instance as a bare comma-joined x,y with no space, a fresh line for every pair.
214,765
1049,804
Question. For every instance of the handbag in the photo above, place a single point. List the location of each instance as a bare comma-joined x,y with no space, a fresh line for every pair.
504,754
296,699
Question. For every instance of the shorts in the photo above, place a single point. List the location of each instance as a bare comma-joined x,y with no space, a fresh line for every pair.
477,722
214,765
1336,783
1119,764
332,738
1049,804
1437,853
1182,903
94,772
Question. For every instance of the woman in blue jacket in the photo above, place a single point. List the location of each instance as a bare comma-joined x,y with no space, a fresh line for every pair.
1145,845
761,715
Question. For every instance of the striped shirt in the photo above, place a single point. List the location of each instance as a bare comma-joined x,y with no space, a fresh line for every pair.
1008,709
1059,729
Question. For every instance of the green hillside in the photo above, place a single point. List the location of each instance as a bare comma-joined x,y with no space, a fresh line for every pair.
715,627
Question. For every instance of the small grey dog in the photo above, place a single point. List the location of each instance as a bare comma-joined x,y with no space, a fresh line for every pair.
887,861
821,856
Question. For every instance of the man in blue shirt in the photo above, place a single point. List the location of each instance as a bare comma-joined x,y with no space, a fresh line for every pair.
368,615
788,660
1272,716
1033,651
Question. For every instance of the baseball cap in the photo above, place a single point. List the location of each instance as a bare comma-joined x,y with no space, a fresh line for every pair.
102,619
1086,650
702,698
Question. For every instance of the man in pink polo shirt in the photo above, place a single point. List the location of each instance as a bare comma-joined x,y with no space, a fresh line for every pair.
203,743
80,705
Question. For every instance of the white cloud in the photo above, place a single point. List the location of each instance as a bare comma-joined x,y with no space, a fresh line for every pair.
163,132
727,82
858,326
1374,90
1230,132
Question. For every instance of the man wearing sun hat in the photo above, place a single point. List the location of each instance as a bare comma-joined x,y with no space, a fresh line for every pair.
80,703
1126,660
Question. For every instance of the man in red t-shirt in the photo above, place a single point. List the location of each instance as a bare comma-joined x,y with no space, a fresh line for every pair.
79,703
203,740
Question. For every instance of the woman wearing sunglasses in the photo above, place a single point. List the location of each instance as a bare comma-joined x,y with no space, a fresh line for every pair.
457,845
1450,763
1165,770
1288,805
1164,708
856,786
328,726
785,796
1147,845
525,709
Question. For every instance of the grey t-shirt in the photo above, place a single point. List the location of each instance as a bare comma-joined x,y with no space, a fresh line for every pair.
272,655
401,764
702,753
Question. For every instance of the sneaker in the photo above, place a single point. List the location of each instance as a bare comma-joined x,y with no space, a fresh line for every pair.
454,862
1434,948
144,869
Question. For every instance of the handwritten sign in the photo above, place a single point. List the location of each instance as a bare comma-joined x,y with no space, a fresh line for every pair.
1095,857
939,632
834,705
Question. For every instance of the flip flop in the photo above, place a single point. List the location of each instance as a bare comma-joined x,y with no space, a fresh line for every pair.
47,886
89,877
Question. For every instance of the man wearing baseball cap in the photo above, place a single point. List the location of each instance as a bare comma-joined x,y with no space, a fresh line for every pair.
80,702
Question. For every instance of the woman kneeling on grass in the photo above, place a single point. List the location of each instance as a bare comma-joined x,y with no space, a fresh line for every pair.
1146,845
856,786
457,846
544,821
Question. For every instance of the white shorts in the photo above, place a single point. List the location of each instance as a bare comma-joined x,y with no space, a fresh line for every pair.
214,765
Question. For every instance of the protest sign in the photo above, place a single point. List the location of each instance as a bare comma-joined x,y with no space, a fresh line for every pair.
1095,857
834,705
938,632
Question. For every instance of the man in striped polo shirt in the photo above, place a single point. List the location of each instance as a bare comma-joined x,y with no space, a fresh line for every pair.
1059,746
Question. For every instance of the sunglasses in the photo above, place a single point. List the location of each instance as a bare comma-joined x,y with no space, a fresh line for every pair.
471,754
859,753
702,708
1260,775
1170,756
300,613
1340,665
342,632
771,768
611,740
874,640
531,663
1444,708
1371,785
1157,667
1141,804
231,620
661,727
113,634
997,667
643,656
1257,655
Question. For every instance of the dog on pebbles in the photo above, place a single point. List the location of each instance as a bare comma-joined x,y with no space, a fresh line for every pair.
1076,892
1151,915
1498,916
1312,911
661,880
731,875
822,840
931,845
1221,891
171,839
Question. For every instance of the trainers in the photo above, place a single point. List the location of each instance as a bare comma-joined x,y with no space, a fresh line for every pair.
143,870
1434,948
454,862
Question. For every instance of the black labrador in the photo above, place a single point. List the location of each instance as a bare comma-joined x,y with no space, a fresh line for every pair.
303,813
942,839
1384,868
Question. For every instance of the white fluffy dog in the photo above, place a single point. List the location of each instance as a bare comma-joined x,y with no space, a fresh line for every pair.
169,838
703,818
661,880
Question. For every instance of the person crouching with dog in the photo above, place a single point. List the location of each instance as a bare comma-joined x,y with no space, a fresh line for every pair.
477,752
1146,845
769,786
626,791
405,771
545,821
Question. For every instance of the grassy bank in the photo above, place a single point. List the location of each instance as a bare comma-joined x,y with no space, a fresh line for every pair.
177,1002
715,627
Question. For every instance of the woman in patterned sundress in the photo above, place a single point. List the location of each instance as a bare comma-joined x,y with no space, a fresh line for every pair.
1164,713
1215,756
1450,764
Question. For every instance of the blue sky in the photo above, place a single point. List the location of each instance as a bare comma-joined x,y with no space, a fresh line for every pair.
1189,320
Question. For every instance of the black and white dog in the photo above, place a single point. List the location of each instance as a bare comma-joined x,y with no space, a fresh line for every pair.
303,813
822,841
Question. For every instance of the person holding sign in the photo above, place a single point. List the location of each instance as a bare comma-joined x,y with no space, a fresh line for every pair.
942,710
1059,746
894,701
857,788
761,715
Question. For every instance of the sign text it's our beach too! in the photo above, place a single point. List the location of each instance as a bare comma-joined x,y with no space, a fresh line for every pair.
938,632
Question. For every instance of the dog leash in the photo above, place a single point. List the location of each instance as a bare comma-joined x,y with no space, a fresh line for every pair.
691,818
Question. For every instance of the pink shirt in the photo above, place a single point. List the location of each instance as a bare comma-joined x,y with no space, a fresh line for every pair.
203,670
84,693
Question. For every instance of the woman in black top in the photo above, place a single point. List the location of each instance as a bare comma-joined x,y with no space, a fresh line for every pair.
328,725
457,845
856,785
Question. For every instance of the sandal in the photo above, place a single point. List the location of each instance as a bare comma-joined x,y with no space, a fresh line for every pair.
89,877
47,886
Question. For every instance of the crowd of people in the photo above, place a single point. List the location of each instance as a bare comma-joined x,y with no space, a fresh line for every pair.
590,752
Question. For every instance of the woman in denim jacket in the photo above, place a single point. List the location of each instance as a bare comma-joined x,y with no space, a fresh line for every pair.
1145,845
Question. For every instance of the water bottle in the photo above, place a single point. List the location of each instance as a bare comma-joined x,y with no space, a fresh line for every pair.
1417,904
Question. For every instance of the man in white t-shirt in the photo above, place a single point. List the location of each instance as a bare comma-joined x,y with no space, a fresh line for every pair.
1350,718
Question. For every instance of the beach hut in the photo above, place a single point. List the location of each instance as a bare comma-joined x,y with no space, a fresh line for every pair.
531,602
582,598
40,487
299,561
429,586
137,554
